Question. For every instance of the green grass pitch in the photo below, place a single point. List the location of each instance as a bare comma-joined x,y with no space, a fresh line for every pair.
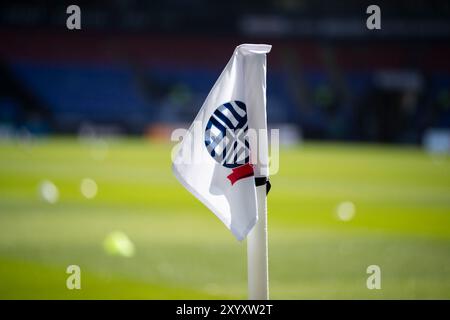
401,223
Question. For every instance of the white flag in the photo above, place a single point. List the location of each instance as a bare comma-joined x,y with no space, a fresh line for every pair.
225,148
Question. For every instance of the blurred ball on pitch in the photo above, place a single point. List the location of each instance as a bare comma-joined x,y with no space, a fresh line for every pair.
345,211
88,188
48,191
117,243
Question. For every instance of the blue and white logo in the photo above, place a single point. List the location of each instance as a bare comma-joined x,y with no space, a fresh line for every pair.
226,135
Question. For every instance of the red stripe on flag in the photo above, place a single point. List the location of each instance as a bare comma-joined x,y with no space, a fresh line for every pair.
240,173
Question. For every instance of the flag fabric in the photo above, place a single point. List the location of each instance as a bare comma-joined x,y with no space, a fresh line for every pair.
226,146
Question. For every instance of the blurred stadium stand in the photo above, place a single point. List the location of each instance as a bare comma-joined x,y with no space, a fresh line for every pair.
139,64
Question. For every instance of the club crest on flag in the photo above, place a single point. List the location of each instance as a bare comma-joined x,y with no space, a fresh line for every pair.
226,139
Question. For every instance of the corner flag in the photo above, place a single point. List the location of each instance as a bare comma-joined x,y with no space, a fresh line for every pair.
219,159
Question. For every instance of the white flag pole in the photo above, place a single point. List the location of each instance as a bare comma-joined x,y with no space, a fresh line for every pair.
257,251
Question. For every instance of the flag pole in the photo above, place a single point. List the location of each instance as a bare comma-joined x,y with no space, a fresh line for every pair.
257,251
